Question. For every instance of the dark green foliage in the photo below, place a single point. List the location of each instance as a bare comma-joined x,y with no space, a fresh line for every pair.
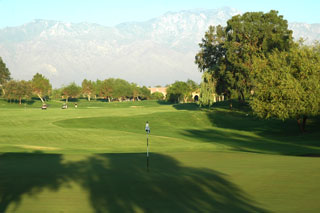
71,91
144,93
4,75
157,96
288,85
178,92
227,52
122,89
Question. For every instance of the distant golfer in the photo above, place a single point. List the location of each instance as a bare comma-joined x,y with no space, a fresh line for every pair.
147,127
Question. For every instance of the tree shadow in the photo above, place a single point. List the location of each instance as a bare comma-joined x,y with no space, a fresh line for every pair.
187,106
283,131
23,102
239,141
241,130
29,173
182,106
121,183
162,102
72,100
241,117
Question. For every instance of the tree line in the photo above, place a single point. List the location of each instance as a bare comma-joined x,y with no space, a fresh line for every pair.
254,58
111,89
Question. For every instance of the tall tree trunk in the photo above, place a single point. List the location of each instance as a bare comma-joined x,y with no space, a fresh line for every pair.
67,99
41,98
299,124
242,96
20,101
304,122
89,98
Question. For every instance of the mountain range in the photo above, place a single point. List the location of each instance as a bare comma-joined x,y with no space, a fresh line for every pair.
155,52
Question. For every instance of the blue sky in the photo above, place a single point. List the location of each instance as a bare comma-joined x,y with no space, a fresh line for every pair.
110,13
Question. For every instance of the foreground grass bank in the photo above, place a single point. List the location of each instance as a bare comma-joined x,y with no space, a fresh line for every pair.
176,182
92,159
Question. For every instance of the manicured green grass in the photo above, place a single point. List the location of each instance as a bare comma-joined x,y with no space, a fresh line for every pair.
92,159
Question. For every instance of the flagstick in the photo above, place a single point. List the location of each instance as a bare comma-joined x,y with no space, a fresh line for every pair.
147,152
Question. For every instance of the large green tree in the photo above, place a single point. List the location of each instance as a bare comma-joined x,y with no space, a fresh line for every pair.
88,88
106,88
4,75
71,91
144,93
227,52
157,96
40,86
288,85
178,92
18,90
122,89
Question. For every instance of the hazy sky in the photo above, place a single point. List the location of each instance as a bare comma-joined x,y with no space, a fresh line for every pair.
110,13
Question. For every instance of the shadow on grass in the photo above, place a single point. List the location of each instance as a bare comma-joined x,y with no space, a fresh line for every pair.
182,106
23,102
241,117
22,173
239,141
240,130
187,106
72,100
120,183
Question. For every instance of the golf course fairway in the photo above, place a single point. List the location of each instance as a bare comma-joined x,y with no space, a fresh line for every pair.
93,159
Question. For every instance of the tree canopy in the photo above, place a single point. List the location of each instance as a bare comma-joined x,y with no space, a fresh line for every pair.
87,88
18,90
227,52
157,96
71,91
178,92
4,74
144,93
255,55
288,85
40,86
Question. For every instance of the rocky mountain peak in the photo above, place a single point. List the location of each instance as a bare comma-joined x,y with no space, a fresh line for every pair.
158,51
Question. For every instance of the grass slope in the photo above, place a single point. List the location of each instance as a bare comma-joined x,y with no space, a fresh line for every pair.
92,159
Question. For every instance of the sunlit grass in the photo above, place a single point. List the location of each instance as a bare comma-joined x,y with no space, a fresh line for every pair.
92,159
